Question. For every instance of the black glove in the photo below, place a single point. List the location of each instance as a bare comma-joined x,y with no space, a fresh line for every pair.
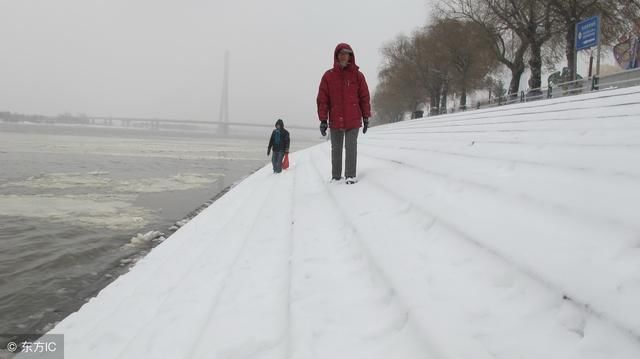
366,125
268,152
323,128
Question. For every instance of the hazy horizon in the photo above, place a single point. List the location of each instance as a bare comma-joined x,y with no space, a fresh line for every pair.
165,59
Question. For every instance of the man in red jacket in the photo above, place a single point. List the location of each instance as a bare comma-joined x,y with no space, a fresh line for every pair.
343,100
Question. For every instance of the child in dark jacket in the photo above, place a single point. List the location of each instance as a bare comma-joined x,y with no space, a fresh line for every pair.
279,142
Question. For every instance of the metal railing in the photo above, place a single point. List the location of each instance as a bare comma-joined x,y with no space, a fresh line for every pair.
595,83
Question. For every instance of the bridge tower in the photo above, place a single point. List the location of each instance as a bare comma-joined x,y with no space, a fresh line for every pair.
223,127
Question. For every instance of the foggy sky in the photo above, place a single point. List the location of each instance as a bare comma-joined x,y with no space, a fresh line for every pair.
164,58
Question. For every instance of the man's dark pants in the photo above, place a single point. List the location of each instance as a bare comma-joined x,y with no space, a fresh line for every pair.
348,139
276,161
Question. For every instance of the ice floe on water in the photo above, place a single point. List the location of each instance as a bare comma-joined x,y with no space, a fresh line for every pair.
183,181
146,238
92,210
110,203
63,181
99,179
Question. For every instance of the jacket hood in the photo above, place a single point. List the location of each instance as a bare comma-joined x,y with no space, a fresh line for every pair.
338,49
280,122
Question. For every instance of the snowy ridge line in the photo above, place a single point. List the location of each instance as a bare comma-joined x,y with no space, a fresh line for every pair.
561,293
519,130
507,131
517,126
453,117
378,271
498,159
436,123
291,249
496,190
529,147
559,144
536,121
514,151
554,166
464,141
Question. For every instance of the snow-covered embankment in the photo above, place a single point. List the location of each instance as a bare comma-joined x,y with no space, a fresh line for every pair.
511,232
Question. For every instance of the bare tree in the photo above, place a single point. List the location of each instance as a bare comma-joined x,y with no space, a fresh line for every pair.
468,52
449,56
388,104
419,66
509,49
433,68
533,23
400,88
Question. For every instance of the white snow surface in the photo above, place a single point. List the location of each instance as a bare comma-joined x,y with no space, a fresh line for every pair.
511,232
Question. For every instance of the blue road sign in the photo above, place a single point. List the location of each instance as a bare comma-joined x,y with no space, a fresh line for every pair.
587,33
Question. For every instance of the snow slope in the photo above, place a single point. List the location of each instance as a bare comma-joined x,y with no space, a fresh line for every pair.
511,232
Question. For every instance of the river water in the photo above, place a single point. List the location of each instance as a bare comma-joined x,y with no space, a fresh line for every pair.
73,201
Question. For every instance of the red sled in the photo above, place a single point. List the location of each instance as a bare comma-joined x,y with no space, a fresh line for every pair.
285,161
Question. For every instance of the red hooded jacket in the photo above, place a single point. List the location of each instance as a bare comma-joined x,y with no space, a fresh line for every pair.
343,97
